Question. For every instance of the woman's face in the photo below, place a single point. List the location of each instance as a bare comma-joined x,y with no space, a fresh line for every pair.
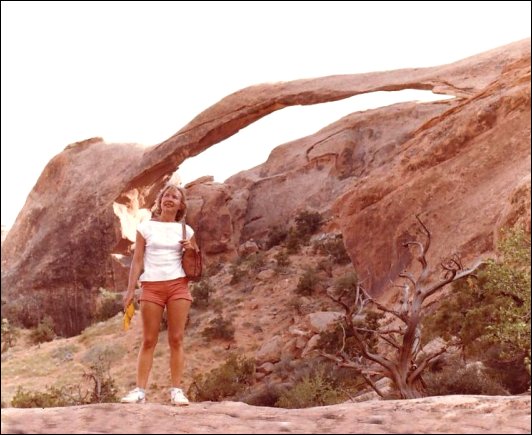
171,200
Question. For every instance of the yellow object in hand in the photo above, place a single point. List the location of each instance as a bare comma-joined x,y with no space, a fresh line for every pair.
128,315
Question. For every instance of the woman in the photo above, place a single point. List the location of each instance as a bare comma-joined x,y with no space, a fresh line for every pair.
158,249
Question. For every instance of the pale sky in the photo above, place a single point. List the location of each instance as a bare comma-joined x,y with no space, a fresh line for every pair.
139,71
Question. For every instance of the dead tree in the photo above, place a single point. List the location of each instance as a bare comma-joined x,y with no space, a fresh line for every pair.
405,363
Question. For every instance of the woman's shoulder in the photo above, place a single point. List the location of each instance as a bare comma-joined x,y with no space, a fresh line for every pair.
145,223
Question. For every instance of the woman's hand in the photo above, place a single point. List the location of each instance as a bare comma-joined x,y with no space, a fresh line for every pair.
186,244
128,298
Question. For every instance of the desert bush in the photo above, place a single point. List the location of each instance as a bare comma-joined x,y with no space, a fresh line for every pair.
255,261
326,266
213,269
296,304
282,259
219,328
23,310
307,223
101,390
64,353
51,398
334,248
201,292
237,274
454,379
9,334
312,390
276,236
109,304
293,241
225,381
103,353
103,385
512,374
307,283
43,332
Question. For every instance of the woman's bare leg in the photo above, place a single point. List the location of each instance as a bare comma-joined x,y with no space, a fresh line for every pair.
151,322
177,319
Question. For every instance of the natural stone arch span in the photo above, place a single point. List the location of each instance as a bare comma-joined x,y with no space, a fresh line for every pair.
58,252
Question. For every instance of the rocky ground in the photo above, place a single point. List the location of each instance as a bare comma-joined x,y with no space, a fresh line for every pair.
444,414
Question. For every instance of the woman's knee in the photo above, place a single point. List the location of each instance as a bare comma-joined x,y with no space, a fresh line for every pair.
149,342
175,340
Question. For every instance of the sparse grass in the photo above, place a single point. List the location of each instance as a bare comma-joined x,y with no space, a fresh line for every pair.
109,352
39,363
94,332
64,353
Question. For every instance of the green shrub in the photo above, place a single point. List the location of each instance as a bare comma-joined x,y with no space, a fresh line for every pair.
225,381
51,398
492,310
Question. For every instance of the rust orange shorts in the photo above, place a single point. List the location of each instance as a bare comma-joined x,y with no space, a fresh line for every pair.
162,292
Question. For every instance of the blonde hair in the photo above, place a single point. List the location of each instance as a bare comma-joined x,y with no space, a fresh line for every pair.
157,210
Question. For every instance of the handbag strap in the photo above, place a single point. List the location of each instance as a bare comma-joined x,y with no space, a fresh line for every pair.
184,229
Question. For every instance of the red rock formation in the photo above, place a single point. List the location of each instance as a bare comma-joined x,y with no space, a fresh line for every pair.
458,162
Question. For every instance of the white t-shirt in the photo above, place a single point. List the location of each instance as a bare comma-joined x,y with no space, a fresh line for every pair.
163,253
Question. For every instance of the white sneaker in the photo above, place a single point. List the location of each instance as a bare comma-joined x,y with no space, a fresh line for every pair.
177,397
134,396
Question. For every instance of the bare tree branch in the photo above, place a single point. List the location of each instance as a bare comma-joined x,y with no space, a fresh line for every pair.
388,310
455,277
373,385
423,364
409,277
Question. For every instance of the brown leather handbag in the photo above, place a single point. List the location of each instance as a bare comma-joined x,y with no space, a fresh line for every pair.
191,261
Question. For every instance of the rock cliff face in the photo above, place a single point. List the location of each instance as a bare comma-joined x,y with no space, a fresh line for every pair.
462,164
